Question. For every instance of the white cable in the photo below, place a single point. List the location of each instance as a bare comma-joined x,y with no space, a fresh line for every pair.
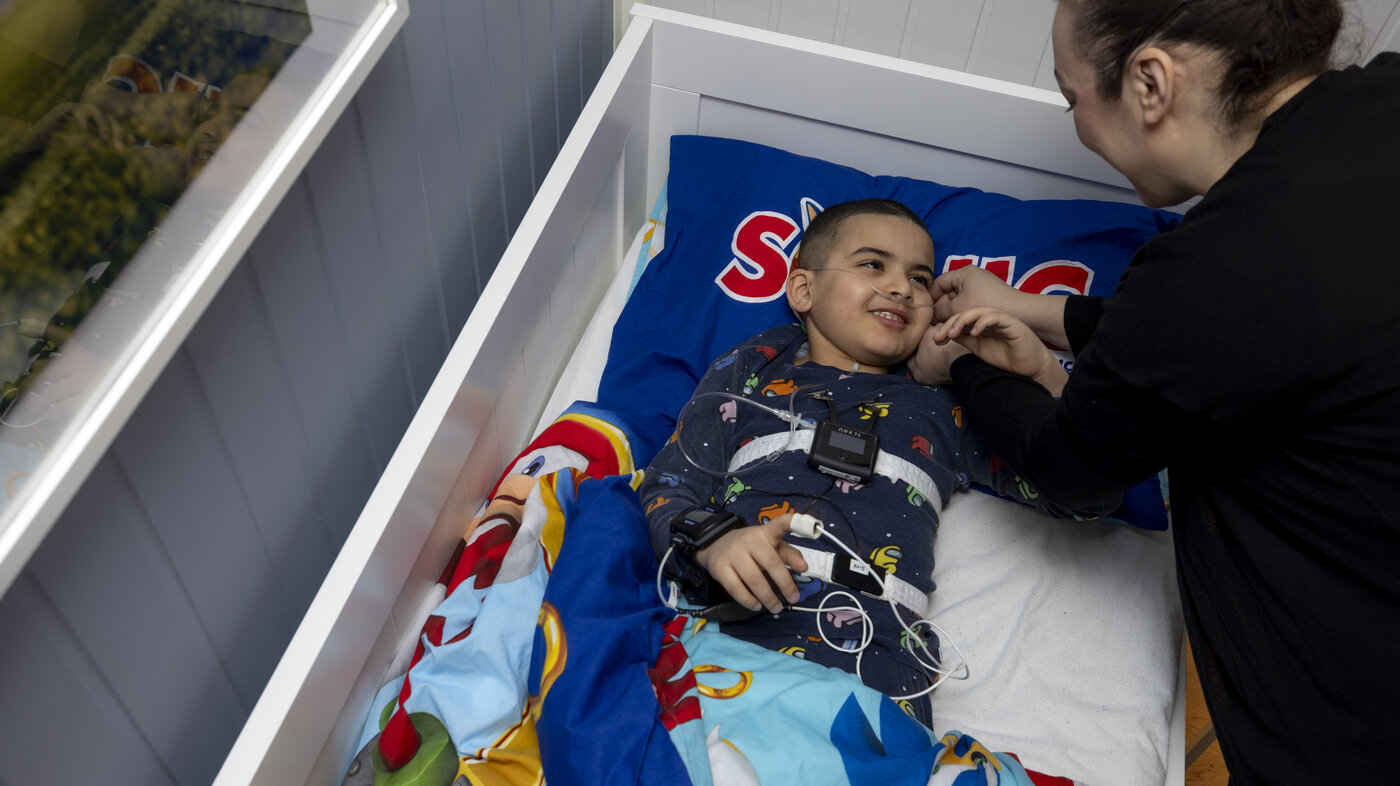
868,622
671,602
795,423
790,417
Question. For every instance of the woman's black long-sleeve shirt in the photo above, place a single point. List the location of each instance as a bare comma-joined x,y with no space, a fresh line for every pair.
1254,351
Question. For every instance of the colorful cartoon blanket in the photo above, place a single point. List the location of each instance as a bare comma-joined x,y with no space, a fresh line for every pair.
551,657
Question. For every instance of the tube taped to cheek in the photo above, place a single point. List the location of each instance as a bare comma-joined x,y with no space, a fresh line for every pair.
907,301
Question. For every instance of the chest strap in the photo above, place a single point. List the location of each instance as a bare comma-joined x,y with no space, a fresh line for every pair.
887,465
841,569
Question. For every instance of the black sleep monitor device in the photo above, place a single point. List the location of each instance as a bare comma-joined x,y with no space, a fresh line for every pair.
699,527
690,532
844,451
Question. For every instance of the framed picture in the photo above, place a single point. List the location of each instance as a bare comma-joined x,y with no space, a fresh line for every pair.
143,145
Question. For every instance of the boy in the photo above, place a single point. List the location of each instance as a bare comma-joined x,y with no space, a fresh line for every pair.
862,286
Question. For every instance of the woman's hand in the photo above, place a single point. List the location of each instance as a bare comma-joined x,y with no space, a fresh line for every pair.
972,287
968,287
1003,341
751,561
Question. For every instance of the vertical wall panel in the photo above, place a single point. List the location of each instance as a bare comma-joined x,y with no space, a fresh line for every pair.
875,25
384,112
428,71
481,170
814,19
290,276
595,35
943,31
251,422
755,13
568,59
1012,41
112,582
201,530
355,267
61,723
541,94
1045,73
147,623
510,108
699,7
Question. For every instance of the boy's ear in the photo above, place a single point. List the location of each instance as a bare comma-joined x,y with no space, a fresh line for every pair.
799,290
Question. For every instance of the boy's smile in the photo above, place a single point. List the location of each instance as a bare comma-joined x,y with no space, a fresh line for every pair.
869,301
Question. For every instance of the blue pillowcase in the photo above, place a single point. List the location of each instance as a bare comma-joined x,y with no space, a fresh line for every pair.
736,213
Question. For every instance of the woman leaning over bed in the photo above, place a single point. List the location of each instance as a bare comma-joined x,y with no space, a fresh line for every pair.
1254,351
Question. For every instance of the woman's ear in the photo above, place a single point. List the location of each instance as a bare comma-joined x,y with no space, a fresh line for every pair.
1153,84
799,290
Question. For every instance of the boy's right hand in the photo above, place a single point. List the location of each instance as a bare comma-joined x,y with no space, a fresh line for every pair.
749,562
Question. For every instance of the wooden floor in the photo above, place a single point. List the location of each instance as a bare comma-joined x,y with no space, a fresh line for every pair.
1209,768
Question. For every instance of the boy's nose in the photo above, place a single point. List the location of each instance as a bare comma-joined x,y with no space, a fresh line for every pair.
899,287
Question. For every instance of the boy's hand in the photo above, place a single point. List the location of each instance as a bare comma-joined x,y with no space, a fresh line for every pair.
931,361
745,561
1003,341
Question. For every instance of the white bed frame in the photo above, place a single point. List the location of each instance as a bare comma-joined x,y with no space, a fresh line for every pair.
672,73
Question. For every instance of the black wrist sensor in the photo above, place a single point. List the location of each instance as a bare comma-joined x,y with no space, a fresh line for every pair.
699,527
690,532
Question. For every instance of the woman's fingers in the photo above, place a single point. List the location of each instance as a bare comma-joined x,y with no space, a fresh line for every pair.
990,320
973,322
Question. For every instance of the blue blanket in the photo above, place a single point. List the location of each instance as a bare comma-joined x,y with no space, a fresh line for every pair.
552,655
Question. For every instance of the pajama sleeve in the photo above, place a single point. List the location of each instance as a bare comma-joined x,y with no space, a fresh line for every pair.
704,432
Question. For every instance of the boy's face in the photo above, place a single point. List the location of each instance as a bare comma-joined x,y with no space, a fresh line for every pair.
870,300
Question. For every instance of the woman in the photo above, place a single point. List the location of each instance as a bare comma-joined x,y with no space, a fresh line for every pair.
1254,351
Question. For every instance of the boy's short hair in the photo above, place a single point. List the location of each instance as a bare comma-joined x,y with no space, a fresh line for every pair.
820,236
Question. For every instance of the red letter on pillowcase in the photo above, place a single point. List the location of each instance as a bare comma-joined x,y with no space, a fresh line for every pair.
1061,275
955,262
1000,267
759,270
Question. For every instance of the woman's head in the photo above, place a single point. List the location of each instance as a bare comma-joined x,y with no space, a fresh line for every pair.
1218,65
1260,43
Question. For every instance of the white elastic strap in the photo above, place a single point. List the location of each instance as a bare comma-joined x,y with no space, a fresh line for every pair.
819,564
886,464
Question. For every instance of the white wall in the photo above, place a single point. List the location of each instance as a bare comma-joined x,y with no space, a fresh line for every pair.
1006,39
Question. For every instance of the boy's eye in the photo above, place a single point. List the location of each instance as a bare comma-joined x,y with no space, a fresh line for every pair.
873,264
922,280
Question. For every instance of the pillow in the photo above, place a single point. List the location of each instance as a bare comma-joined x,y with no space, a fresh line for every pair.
735,215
